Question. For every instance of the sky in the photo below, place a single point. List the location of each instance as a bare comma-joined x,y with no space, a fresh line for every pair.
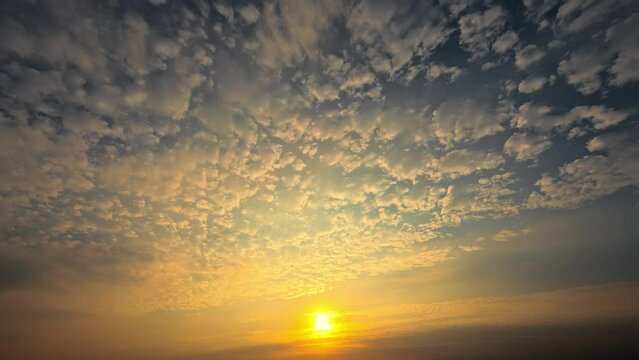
452,179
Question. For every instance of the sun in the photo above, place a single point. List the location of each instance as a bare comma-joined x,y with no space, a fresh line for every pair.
323,322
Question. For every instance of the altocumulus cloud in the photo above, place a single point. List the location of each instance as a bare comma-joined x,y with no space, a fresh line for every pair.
188,153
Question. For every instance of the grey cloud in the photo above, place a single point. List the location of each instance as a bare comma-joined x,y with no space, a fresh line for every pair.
225,9
577,15
393,32
538,9
489,197
458,121
479,30
505,42
544,118
294,35
324,92
623,39
592,176
586,66
533,83
527,56
464,162
249,13
437,70
582,68
524,146
600,116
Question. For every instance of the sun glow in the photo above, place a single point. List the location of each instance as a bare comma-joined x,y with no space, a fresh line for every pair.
323,322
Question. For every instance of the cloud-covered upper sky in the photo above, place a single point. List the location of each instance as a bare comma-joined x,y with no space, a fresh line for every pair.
179,155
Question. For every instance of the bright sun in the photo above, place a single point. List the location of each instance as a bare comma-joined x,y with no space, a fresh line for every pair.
323,322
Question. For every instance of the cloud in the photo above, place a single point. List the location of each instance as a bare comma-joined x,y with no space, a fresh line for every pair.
591,176
433,71
533,83
524,146
249,13
457,121
464,162
357,78
544,118
136,51
582,69
436,71
393,33
469,248
288,31
574,15
403,164
478,31
324,92
505,42
585,67
43,165
505,235
538,10
489,197
601,116
225,10
623,40
527,56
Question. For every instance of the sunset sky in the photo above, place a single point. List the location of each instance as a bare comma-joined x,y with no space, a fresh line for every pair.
452,179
